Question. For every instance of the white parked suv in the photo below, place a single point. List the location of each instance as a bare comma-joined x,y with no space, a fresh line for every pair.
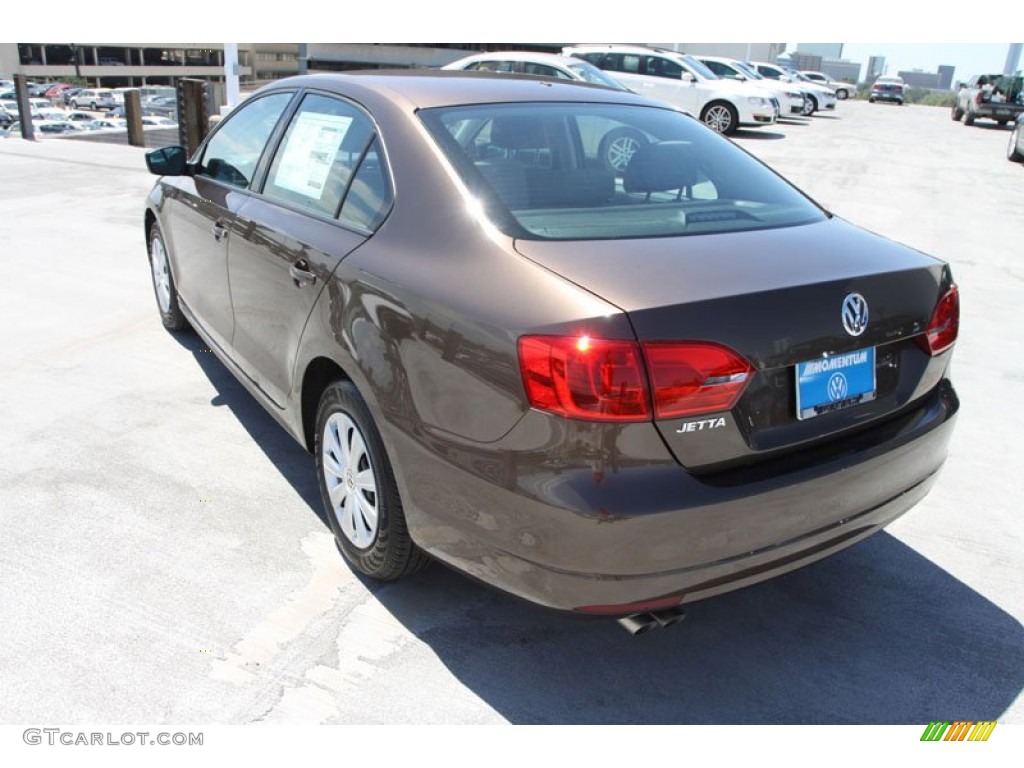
93,98
822,97
791,99
684,82
537,65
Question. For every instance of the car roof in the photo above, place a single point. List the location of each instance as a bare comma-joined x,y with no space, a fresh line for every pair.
426,88
553,58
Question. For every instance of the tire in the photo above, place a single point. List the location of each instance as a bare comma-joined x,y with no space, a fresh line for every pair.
721,117
957,113
871,101
358,488
163,283
968,117
1002,122
1012,153
842,94
814,105
899,103
94,107
618,147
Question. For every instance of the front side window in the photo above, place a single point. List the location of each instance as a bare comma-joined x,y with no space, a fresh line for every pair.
318,155
234,151
575,171
661,67
543,70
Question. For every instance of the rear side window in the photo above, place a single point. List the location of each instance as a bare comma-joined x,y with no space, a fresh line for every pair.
369,197
234,151
319,154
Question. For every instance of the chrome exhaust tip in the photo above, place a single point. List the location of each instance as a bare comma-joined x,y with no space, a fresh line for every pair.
638,623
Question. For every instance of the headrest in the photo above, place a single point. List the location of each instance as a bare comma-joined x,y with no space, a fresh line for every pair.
660,167
517,132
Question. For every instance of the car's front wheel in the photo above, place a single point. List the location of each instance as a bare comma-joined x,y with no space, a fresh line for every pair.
842,94
1013,154
957,113
618,147
721,117
163,283
358,488
968,117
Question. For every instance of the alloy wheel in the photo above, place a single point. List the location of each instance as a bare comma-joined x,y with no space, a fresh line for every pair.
718,118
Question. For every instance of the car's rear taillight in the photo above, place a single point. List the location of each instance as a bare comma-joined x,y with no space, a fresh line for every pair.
944,325
977,98
580,377
584,378
689,378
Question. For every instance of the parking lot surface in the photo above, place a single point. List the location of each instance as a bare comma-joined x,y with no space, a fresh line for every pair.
164,559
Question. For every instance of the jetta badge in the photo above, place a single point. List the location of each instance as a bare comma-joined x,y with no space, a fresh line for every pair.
855,314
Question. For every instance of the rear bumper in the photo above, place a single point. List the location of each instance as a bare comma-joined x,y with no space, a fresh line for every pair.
619,528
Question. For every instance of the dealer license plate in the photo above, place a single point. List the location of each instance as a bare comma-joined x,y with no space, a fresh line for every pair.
833,383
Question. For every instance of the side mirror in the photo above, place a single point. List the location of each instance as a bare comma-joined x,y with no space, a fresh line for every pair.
168,161
687,77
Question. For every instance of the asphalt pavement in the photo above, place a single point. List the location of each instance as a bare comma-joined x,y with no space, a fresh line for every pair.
164,559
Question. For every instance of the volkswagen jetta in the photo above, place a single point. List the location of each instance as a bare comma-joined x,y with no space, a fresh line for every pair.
608,388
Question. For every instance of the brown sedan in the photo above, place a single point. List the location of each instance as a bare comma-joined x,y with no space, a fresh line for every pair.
610,383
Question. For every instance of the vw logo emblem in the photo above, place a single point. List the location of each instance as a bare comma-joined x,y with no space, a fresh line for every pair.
855,314
837,388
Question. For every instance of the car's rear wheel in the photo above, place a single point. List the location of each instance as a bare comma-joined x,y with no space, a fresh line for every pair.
358,488
163,283
618,147
814,105
1012,152
968,117
721,117
957,113
841,94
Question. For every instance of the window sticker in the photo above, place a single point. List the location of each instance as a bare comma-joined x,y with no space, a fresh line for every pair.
313,143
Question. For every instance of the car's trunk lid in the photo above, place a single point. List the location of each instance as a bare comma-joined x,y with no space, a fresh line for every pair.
776,297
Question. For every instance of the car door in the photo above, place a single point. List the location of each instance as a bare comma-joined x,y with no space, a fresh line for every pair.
324,193
666,75
202,209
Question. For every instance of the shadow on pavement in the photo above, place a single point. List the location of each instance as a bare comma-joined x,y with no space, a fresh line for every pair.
290,458
757,134
875,634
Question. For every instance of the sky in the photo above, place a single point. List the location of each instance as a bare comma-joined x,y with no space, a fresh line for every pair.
968,58
913,33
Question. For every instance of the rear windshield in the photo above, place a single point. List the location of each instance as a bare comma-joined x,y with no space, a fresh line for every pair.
568,171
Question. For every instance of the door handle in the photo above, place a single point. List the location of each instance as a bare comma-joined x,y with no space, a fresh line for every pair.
220,231
301,275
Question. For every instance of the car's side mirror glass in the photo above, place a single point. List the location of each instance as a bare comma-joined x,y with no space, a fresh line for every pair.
168,161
